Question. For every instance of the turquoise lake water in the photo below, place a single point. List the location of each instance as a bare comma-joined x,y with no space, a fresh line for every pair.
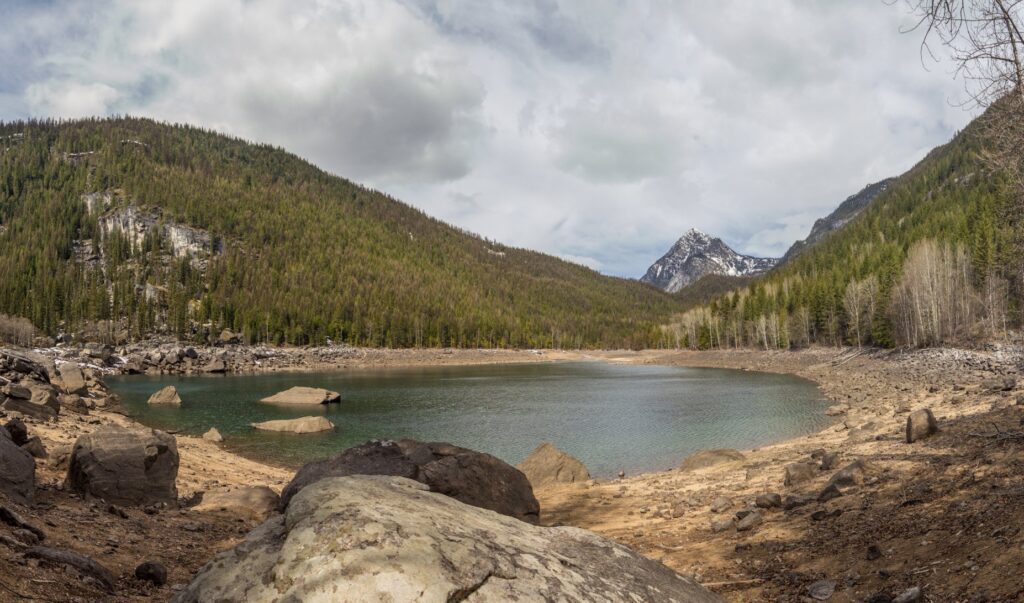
612,417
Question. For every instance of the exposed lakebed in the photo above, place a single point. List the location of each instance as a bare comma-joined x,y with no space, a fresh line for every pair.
611,416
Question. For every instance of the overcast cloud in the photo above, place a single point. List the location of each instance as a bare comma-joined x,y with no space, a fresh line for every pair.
596,130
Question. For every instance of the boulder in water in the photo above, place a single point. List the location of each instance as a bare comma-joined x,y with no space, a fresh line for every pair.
549,465
304,395
165,396
330,545
300,425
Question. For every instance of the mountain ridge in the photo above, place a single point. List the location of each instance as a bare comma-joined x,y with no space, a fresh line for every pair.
697,254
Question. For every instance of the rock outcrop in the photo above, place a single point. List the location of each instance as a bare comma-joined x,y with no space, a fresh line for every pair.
298,426
304,395
165,396
125,466
331,545
709,458
474,478
17,470
549,465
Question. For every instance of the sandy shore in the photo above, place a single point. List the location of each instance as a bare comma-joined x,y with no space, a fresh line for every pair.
663,515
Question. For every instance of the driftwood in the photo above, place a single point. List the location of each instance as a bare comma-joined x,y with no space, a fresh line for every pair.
80,562
14,520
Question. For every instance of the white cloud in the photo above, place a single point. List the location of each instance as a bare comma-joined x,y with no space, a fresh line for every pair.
595,130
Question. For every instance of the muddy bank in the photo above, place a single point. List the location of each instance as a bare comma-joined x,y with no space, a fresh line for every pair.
940,514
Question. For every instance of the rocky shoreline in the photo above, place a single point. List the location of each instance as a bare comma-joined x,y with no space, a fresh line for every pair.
159,357
722,523
855,512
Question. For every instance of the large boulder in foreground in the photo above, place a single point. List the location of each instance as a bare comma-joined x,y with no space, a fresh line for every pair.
474,478
125,466
411,544
703,459
549,465
17,470
165,396
304,396
300,425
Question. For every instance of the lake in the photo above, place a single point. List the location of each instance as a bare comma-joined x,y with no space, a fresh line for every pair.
611,416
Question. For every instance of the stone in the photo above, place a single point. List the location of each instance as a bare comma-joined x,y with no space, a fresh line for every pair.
84,564
709,458
60,456
920,425
72,380
298,426
797,473
874,553
153,572
254,502
549,465
850,475
911,595
748,522
437,549
227,337
829,461
215,366
838,409
304,395
768,501
822,590
17,470
125,466
34,446
795,501
474,478
830,492
165,396
18,431
720,504
37,401
75,403
213,436
720,525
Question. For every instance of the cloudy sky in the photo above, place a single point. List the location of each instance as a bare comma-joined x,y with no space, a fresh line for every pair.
596,130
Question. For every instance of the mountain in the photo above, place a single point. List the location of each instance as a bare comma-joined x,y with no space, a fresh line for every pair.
697,254
934,258
126,228
847,210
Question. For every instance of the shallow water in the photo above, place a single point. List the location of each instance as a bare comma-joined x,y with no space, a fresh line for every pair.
612,417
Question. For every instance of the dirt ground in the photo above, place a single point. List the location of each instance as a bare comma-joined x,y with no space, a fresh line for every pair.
943,514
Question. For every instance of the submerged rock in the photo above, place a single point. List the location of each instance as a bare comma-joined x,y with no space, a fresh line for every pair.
304,395
474,478
710,458
300,425
437,549
549,465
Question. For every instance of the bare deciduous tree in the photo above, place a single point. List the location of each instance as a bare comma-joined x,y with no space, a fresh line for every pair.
985,41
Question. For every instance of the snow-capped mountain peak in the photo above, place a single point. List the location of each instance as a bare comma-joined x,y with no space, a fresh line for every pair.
697,254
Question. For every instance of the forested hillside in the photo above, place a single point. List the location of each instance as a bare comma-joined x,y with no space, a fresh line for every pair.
933,259
129,227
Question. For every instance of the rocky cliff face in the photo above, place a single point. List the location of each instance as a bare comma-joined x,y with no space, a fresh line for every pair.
697,254
846,211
